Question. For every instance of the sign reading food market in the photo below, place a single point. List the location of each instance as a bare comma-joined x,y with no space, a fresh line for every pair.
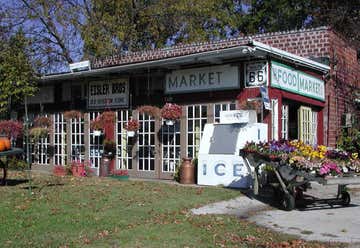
202,79
287,78
109,93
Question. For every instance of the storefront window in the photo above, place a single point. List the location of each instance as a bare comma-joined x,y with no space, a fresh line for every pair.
77,139
95,145
274,119
285,122
222,107
60,153
124,150
170,139
196,120
146,143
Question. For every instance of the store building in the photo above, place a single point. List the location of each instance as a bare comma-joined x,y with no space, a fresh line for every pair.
300,70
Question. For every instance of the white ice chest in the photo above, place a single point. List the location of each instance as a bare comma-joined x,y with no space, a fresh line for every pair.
219,162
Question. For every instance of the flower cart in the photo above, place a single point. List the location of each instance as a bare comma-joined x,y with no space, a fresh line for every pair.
280,166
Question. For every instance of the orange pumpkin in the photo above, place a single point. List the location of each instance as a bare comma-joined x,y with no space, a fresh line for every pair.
2,145
7,144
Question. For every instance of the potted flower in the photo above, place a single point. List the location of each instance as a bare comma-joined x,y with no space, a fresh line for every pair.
131,127
171,112
120,174
97,126
37,133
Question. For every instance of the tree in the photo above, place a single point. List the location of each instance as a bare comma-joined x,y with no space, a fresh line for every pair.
53,28
277,15
16,72
132,25
343,16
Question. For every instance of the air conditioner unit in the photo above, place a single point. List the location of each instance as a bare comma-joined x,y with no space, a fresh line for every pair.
347,120
80,66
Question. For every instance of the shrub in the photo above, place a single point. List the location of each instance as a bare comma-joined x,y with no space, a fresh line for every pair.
10,128
120,172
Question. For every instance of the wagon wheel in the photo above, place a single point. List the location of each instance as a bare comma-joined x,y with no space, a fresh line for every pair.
288,202
345,198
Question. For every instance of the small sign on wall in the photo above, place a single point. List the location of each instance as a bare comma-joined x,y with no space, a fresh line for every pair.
255,74
109,93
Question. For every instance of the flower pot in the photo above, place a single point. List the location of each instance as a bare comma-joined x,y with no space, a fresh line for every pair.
120,178
130,133
97,132
169,122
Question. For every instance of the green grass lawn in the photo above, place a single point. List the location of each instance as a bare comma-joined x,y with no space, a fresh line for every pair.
96,212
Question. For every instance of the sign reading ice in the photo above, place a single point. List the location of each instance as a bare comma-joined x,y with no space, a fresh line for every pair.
202,79
109,93
287,78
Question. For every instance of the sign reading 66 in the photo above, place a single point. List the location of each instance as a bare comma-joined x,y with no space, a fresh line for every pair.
255,74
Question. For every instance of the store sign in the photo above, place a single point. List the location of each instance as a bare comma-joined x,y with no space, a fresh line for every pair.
110,93
234,116
202,79
44,95
287,78
255,74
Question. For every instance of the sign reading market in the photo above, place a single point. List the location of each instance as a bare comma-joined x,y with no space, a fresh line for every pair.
109,93
287,78
202,79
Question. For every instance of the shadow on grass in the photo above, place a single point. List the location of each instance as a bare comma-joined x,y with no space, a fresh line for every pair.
15,182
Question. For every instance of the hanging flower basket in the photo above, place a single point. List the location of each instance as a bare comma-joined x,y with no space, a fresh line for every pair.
150,110
171,112
42,121
170,122
130,133
72,114
131,127
97,132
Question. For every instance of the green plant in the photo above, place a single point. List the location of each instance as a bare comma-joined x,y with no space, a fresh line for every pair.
349,141
36,133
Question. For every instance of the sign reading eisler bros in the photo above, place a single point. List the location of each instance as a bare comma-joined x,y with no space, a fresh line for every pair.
109,93
287,78
202,79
